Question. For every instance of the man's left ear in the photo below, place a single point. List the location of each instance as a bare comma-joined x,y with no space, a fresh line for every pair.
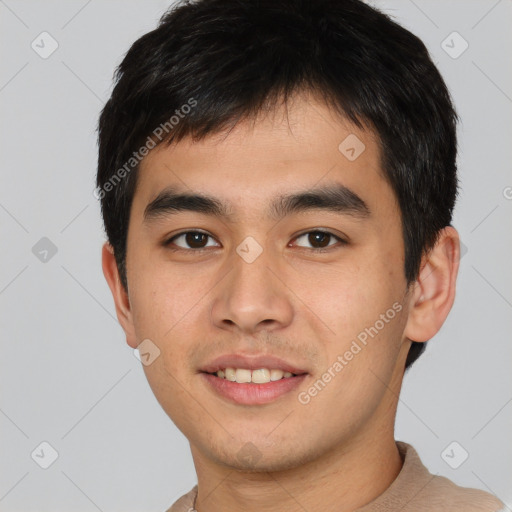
434,290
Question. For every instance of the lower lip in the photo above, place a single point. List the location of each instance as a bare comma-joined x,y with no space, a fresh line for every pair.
253,394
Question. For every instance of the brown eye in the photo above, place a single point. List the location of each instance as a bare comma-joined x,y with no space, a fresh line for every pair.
319,240
190,240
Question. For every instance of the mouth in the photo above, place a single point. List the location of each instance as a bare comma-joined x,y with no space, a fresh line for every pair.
252,380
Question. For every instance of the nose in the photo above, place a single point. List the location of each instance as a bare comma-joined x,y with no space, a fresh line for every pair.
253,296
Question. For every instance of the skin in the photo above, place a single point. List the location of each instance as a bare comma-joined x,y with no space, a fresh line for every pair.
336,452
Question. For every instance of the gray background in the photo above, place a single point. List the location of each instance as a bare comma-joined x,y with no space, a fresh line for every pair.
67,376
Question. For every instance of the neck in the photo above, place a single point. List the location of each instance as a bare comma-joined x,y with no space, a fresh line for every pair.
342,479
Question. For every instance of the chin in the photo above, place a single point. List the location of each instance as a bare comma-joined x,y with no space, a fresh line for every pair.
252,458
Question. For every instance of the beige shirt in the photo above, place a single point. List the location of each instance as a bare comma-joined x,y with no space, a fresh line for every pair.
415,489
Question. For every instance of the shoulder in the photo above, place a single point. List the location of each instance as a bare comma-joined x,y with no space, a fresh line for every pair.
185,503
435,492
443,494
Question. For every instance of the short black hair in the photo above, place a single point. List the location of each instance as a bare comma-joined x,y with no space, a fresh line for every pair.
212,63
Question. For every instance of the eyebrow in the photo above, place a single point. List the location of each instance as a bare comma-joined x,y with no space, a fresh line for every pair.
334,198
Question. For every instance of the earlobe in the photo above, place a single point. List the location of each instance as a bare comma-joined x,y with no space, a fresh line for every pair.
433,293
119,294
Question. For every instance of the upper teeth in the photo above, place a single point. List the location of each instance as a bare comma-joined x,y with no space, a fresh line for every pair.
259,376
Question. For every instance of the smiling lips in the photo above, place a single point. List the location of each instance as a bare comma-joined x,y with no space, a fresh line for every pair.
252,380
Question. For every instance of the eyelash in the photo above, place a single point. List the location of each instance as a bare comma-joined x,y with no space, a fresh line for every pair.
169,241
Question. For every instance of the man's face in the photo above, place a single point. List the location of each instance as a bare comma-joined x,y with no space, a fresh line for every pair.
256,283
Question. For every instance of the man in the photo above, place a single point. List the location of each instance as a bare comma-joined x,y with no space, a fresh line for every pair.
277,181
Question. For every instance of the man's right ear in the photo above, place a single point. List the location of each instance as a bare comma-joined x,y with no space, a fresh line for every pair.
120,295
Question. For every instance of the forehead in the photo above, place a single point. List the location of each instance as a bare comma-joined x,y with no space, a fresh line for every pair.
294,148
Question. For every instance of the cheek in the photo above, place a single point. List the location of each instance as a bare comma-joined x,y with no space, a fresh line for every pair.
361,304
168,308
171,307
350,297
163,296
